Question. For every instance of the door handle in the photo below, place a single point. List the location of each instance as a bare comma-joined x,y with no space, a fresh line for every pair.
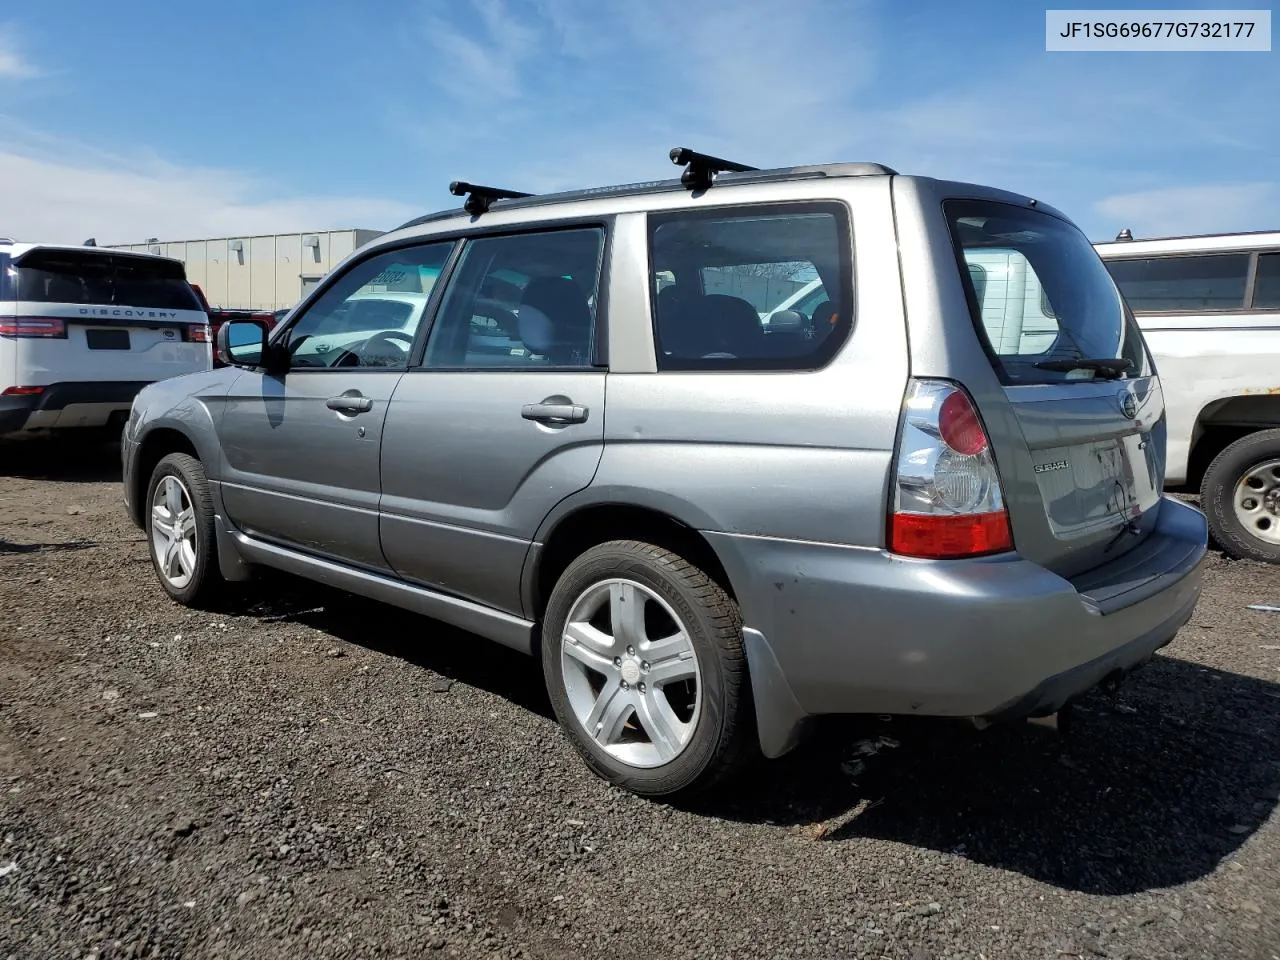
555,412
349,404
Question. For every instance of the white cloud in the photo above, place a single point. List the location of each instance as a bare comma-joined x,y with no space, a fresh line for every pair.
70,193
485,66
1202,208
12,64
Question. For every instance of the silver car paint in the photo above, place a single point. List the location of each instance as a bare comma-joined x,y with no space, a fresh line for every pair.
785,474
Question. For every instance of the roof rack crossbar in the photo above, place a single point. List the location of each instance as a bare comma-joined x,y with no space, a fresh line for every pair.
479,198
700,169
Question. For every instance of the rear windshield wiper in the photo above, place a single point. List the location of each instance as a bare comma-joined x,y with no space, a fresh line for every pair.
1108,367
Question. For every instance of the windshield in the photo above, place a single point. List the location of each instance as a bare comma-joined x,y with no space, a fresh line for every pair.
1040,295
73,276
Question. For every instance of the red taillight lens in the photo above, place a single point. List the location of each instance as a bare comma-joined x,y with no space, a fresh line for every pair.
959,426
22,391
947,537
198,333
947,497
35,327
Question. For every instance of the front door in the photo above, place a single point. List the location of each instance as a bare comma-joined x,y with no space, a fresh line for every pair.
503,419
302,448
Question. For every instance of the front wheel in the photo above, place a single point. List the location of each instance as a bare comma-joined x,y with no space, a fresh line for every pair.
180,531
1240,496
644,663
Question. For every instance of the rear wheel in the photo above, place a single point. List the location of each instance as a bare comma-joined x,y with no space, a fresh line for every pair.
1241,497
643,658
180,531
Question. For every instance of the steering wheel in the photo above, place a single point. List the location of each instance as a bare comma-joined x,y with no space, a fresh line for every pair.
359,356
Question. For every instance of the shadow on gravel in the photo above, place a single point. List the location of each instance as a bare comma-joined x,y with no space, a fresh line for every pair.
89,459
7,547
1151,789
454,654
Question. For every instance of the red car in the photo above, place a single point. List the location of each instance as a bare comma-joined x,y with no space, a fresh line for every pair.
218,316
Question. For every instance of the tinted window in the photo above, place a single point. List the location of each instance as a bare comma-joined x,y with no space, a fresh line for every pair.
524,301
6,283
371,314
1170,284
1044,295
732,270
72,276
1266,289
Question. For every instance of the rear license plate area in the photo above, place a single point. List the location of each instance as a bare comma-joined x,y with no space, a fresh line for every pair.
107,339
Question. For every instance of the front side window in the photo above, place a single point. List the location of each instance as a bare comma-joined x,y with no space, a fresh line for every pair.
762,288
1200,284
370,315
524,301
1266,288
1044,300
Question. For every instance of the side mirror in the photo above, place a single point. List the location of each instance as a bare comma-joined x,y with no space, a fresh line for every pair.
242,343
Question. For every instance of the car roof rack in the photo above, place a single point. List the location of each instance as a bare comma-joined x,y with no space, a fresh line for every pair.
700,169
479,198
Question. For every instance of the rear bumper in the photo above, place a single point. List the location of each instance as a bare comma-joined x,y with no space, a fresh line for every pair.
94,403
844,630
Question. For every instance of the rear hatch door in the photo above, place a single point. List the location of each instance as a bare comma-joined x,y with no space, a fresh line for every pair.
127,317
1078,380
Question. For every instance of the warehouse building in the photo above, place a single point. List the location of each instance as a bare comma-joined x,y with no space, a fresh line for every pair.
262,272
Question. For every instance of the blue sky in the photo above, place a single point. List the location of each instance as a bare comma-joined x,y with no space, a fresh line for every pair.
130,120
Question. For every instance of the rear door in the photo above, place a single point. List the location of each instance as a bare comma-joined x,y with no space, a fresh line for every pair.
121,317
1078,379
503,419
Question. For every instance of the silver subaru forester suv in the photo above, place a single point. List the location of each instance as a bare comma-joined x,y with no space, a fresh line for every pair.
581,426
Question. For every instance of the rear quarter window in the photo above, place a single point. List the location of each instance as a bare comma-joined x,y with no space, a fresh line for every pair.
720,276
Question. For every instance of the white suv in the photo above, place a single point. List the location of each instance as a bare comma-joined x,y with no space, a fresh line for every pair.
83,329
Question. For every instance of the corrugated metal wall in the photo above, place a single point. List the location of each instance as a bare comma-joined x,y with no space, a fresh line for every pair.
267,272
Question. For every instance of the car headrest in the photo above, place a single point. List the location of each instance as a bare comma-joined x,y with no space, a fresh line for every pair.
785,321
553,318
822,315
736,324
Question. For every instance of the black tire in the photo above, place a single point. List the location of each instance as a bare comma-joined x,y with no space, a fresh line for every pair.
206,584
724,736
1217,496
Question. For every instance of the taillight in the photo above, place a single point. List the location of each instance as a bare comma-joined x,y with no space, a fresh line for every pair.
35,327
22,391
947,497
198,333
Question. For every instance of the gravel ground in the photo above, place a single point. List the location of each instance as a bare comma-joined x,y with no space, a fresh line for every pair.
311,775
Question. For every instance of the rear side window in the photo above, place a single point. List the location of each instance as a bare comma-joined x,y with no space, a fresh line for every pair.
69,276
6,284
755,288
1202,284
1266,288
1039,294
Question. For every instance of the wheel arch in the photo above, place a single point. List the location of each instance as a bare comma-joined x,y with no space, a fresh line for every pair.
581,523
637,514
1222,422
155,444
